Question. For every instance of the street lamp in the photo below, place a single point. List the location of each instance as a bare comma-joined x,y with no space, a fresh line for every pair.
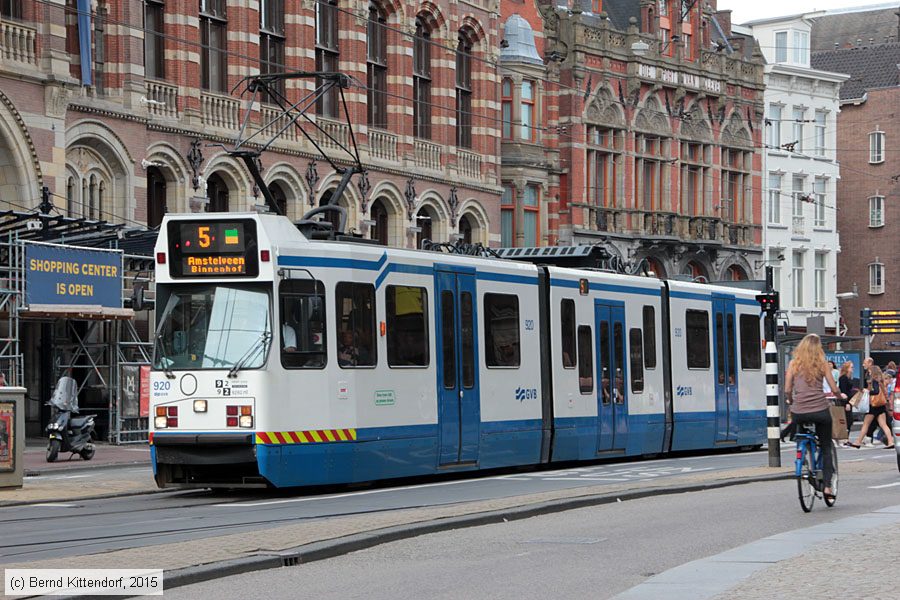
854,293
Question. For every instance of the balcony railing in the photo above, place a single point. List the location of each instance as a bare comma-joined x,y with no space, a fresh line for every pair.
338,133
223,112
468,164
273,120
383,145
798,226
428,155
163,100
18,43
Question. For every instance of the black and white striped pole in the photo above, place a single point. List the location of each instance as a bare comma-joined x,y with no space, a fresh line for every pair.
769,303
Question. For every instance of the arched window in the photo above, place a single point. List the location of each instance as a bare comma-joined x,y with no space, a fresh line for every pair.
332,216
465,230
280,198
156,197
426,228
92,198
101,193
506,102
217,192
379,230
464,91
71,200
377,67
422,80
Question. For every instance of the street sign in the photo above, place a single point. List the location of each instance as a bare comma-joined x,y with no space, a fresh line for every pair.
879,321
884,313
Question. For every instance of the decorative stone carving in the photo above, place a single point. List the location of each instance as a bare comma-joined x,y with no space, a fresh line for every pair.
363,185
312,177
453,203
195,159
410,196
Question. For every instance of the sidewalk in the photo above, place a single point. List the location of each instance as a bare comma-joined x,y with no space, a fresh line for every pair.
106,455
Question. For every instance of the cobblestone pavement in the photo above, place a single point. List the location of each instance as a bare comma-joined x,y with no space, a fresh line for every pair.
861,566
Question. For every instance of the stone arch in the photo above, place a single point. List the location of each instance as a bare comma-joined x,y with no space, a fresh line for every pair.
697,126
657,265
92,147
437,227
176,172
350,200
472,26
735,132
391,199
696,266
291,183
20,170
604,109
235,179
435,18
651,117
478,218
738,265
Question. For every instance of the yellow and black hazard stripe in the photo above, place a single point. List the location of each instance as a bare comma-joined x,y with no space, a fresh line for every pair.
306,437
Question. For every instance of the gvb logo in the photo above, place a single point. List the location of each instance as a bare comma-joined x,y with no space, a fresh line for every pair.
684,390
523,394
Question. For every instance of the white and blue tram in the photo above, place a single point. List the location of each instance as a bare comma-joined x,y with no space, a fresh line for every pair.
283,361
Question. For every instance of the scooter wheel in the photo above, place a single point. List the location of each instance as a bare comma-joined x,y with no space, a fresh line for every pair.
87,453
53,450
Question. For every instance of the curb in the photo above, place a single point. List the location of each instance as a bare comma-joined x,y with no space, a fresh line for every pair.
336,547
76,467
11,503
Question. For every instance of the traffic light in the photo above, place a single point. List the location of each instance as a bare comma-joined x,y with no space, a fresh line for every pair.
768,302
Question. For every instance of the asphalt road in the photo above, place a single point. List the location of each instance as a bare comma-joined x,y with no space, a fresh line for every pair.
72,528
593,552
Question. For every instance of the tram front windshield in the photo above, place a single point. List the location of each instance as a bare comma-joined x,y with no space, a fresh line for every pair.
214,327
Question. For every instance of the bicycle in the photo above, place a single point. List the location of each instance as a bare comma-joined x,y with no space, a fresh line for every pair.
809,469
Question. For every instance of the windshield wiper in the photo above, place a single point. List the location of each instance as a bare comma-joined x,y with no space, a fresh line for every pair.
163,357
260,342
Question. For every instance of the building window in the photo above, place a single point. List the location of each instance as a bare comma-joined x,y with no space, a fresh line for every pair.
819,196
735,178
648,171
775,198
327,55
797,275
799,196
774,123
604,159
271,45
406,309
501,330
801,48
781,46
799,115
527,114
820,132
11,8
876,147
775,258
688,46
154,42
531,210
376,56
506,102
876,278
464,91
422,81
695,170
213,61
820,270
508,217
876,211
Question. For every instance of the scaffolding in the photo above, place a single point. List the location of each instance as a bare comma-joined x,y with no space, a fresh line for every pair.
108,351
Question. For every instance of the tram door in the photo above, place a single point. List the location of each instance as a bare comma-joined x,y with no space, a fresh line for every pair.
459,411
612,389
727,405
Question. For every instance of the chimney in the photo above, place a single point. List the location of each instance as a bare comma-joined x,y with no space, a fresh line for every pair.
724,19
648,16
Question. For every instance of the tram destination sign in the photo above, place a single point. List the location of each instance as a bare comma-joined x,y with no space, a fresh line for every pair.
213,248
66,275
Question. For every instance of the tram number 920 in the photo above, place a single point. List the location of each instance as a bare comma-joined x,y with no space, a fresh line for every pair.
162,386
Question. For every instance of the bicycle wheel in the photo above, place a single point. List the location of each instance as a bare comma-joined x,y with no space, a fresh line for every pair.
805,483
834,478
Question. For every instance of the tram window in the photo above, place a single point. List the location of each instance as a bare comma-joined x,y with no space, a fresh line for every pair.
448,331
751,344
731,341
407,326
355,325
649,337
619,358
501,327
302,306
697,339
467,331
567,317
585,360
636,348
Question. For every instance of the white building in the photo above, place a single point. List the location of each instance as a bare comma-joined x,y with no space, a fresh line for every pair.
801,171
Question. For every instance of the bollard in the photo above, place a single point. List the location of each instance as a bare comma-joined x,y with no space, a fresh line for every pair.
773,410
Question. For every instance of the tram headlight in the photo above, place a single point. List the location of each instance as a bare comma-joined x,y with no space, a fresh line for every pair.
246,421
200,406
159,422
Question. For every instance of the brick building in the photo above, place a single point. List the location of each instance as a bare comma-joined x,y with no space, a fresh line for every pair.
868,128
642,130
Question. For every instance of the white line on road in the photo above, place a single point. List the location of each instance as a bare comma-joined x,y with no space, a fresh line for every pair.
56,505
886,485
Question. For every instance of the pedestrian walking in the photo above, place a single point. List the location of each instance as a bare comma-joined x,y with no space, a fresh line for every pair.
877,408
845,382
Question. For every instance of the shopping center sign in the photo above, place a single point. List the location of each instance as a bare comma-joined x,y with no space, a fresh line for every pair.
66,275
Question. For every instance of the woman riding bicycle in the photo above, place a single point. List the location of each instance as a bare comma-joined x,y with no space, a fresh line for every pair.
803,390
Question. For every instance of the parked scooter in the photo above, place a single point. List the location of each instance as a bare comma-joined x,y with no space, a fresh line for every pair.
66,432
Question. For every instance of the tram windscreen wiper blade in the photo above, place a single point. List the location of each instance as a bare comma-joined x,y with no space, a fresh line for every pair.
260,342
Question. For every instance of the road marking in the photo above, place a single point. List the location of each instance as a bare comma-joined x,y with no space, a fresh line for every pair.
886,485
56,505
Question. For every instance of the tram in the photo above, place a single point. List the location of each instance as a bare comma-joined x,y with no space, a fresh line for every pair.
282,360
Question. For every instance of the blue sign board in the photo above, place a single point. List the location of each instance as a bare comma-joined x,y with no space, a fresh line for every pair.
68,275
840,358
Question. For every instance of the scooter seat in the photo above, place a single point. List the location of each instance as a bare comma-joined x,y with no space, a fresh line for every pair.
78,422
